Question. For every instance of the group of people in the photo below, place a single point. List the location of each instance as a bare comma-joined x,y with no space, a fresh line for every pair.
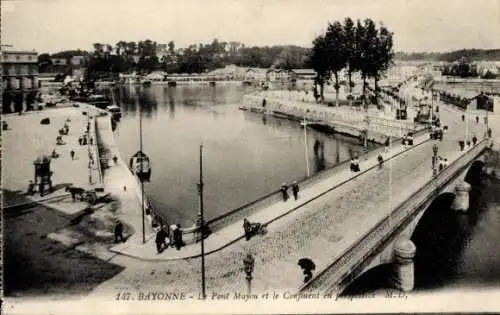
442,163
284,191
407,140
174,238
85,139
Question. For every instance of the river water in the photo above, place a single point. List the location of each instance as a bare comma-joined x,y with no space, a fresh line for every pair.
245,156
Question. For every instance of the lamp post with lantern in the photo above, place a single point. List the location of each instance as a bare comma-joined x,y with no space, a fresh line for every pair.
248,263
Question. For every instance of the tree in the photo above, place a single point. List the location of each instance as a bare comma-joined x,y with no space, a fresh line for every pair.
335,50
383,56
319,62
350,49
171,47
98,48
366,37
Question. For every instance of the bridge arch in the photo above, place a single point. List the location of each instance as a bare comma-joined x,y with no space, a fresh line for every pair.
438,233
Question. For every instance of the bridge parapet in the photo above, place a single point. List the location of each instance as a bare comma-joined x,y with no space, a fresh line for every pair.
334,278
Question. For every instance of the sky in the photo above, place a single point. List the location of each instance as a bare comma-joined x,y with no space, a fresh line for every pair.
418,25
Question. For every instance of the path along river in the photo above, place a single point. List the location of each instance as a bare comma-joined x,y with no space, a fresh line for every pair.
245,156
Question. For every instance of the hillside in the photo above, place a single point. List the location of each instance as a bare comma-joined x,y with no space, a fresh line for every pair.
467,54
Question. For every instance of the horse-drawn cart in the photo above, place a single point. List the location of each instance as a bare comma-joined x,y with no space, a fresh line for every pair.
91,195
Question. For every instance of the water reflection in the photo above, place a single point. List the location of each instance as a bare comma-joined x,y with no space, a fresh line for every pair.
246,155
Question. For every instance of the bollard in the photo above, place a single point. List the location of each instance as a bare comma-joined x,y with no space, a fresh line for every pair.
404,251
461,201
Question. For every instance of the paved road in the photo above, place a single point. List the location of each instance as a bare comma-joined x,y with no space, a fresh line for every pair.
323,228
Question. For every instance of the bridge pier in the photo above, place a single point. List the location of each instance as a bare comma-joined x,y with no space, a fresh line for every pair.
461,201
404,251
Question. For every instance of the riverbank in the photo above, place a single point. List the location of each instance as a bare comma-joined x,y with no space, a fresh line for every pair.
342,120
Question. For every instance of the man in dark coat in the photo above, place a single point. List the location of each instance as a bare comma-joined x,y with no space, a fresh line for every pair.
178,237
284,191
119,232
295,190
161,237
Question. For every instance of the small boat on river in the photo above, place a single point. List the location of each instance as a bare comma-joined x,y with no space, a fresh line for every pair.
140,165
115,111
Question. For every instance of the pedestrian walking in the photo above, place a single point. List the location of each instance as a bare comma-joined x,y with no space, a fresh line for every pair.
489,132
80,140
119,232
463,117
441,164
178,237
72,153
161,240
387,144
284,191
380,160
173,227
295,190
474,140
91,141
247,227
477,119
445,163
356,164
468,144
461,144
199,227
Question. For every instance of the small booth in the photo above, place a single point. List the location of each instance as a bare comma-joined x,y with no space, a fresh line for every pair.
43,174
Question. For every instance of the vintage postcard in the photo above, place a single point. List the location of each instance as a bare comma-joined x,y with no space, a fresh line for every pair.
238,156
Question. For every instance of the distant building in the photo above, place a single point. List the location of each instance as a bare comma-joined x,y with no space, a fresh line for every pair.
78,61
20,80
59,61
303,74
278,75
255,74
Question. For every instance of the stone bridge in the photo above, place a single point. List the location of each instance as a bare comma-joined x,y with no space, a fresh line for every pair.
389,240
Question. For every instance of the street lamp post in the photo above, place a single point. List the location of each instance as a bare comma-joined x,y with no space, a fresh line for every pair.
248,263
305,146
202,227
466,121
434,159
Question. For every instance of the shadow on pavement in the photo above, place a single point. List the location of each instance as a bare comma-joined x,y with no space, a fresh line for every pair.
37,265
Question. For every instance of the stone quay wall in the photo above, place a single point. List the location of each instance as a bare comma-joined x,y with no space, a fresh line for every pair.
342,119
109,149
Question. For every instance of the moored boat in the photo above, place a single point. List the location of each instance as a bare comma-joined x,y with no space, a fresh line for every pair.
141,166
115,111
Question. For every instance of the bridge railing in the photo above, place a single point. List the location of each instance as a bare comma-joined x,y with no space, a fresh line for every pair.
336,276
245,210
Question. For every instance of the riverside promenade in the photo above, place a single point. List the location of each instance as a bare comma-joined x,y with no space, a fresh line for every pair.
321,229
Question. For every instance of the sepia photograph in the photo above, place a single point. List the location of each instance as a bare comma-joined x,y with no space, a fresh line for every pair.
250,156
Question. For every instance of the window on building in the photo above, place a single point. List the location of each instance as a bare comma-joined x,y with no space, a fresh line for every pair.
30,57
18,69
18,57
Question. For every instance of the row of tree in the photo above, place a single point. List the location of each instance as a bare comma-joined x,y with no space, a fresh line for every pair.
146,56
360,47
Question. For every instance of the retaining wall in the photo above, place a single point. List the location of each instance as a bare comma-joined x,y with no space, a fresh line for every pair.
344,121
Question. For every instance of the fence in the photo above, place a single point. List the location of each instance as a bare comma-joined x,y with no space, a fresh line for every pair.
95,162
336,276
